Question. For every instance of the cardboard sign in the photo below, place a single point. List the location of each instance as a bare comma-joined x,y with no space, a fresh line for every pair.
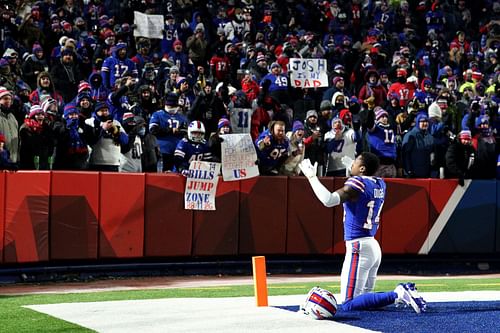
201,185
308,73
150,26
238,157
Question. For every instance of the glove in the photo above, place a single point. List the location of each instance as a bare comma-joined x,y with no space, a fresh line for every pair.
308,169
347,162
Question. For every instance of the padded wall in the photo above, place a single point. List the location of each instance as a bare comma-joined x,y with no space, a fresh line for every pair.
471,226
121,221
168,226
27,217
263,215
2,213
338,221
404,221
310,223
74,209
216,232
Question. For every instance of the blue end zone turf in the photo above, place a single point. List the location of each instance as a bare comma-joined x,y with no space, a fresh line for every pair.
448,317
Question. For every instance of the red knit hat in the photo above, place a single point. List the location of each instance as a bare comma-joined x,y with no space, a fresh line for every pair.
4,91
2,137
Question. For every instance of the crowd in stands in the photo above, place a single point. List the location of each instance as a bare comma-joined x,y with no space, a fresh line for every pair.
415,82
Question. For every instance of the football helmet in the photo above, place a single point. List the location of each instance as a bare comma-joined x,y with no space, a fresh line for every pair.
319,304
196,131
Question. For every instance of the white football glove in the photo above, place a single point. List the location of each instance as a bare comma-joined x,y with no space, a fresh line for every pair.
308,169
347,162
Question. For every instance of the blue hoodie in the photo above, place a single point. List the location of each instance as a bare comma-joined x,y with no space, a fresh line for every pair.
113,67
418,145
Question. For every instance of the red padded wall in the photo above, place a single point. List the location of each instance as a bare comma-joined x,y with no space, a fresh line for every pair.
263,215
168,226
216,232
404,221
74,208
2,213
121,221
27,217
338,221
310,223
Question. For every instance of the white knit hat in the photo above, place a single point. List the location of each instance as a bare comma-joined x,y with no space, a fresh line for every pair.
434,111
4,91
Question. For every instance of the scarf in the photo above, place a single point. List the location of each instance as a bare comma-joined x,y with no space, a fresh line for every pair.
76,144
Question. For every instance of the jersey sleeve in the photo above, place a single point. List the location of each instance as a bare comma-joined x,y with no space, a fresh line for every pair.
356,183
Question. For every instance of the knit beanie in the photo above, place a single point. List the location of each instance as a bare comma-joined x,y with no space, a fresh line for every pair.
297,125
34,110
434,111
223,122
379,113
4,91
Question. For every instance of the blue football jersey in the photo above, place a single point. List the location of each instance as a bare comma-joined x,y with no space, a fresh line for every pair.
187,151
165,120
383,141
361,217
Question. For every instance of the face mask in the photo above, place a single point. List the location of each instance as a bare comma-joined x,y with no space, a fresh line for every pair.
401,79
142,131
339,105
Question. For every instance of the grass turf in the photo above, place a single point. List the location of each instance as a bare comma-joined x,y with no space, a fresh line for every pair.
15,318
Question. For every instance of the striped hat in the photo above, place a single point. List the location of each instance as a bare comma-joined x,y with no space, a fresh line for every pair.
34,110
84,85
69,109
4,91
223,122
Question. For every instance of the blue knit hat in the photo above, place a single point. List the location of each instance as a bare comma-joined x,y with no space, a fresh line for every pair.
223,122
297,125
70,108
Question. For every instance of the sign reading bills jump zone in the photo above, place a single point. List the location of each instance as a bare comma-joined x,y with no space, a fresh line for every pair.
308,73
201,185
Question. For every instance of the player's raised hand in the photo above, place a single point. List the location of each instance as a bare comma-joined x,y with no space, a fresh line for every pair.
308,169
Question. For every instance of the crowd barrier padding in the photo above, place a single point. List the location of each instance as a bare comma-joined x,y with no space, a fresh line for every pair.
74,210
88,216
338,218
216,232
27,217
471,226
263,215
121,220
168,226
2,213
310,223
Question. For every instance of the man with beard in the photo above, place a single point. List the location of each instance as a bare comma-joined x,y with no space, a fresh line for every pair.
208,108
106,137
272,148
147,103
8,124
115,66
66,75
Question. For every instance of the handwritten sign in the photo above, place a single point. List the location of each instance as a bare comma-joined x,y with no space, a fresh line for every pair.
308,73
238,157
149,26
201,185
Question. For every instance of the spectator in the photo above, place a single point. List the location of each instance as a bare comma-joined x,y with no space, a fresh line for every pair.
418,146
207,108
460,157
192,148
168,126
276,84
5,161
71,151
105,136
34,65
8,124
45,86
313,140
116,66
272,148
340,141
215,141
131,159
197,47
66,75
484,144
36,141
290,166
382,142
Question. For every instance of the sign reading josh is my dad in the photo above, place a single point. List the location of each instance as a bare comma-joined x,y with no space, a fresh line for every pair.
201,185
238,157
308,73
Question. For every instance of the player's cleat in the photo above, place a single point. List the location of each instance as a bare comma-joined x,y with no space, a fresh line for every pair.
408,295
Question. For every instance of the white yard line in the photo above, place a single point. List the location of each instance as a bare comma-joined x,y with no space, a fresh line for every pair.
221,315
